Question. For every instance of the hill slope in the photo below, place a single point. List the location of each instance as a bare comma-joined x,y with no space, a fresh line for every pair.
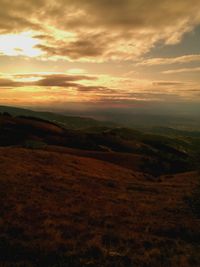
156,154
68,122
65,210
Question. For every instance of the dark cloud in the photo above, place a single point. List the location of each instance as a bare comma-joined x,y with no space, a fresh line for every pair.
129,14
90,46
7,83
55,80
167,83
19,15
61,80
101,29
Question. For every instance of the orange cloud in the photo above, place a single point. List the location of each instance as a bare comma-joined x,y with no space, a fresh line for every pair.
99,30
172,60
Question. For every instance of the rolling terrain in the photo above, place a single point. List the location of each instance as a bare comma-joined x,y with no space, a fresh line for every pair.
64,210
160,153
98,196
72,122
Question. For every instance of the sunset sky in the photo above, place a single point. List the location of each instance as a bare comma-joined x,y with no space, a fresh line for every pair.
111,53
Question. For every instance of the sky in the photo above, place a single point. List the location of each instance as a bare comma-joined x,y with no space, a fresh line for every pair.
99,53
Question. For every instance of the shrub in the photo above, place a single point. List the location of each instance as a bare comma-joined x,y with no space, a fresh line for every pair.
194,202
32,144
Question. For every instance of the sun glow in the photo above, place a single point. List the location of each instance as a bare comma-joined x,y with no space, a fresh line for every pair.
76,71
21,44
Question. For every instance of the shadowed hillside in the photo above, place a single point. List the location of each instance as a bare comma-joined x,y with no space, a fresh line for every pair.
101,196
156,154
64,210
68,122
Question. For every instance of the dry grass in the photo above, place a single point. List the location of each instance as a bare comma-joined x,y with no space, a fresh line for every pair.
64,210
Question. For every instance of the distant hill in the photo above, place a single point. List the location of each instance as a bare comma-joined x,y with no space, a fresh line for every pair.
68,122
147,120
154,154
167,131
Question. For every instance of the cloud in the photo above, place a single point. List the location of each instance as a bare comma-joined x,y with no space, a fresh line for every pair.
174,71
89,47
100,30
61,87
168,61
18,16
167,83
54,80
9,83
61,80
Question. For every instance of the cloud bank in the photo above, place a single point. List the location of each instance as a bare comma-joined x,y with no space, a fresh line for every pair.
62,87
100,30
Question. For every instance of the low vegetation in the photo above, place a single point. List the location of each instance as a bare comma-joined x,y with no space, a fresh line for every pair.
97,197
62,210
193,201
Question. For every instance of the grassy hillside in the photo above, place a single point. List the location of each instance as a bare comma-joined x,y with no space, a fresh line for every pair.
70,211
163,154
98,195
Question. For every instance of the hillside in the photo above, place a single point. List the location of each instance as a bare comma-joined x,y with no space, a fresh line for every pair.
68,122
101,196
155,154
66,210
